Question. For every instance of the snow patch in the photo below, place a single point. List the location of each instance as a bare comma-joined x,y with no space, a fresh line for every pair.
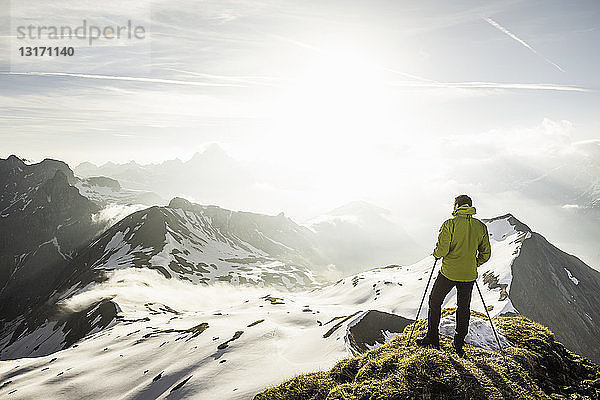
500,229
480,333
571,277
57,245
115,242
387,336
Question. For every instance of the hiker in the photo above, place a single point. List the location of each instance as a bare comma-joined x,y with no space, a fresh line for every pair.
463,244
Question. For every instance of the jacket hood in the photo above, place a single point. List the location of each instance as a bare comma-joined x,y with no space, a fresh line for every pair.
464,211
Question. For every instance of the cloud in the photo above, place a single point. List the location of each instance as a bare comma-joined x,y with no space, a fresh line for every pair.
113,213
588,148
521,41
132,286
538,147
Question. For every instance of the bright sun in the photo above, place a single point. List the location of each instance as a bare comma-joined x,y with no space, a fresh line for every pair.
337,106
340,92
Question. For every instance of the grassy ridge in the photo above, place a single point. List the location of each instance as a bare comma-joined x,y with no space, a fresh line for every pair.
537,367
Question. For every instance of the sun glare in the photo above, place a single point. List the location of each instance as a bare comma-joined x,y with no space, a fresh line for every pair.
339,94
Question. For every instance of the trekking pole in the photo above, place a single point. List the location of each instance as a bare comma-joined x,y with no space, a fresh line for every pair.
491,323
422,299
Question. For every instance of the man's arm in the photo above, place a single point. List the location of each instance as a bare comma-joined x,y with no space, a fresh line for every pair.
442,246
484,251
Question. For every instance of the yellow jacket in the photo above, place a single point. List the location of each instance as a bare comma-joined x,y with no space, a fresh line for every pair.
464,245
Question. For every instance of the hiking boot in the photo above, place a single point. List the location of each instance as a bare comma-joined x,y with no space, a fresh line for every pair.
458,346
428,341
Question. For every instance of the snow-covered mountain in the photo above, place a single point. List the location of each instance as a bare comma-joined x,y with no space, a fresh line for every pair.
43,221
49,250
206,244
187,301
154,337
560,291
186,242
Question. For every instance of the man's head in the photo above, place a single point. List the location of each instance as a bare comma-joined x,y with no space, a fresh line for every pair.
462,200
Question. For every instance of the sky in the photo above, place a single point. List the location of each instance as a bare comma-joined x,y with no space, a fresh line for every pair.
392,102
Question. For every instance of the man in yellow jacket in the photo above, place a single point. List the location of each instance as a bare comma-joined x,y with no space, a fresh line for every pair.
463,244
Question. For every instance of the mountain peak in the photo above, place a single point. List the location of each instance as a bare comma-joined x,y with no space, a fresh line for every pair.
214,149
511,219
86,164
179,202
108,164
212,152
14,160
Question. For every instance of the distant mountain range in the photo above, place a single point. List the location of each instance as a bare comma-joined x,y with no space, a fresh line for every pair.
359,234
337,232
190,299
210,176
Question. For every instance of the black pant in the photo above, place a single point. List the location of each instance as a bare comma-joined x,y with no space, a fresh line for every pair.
441,288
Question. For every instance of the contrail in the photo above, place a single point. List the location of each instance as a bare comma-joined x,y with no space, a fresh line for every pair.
524,43
124,78
493,85
250,80
419,82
